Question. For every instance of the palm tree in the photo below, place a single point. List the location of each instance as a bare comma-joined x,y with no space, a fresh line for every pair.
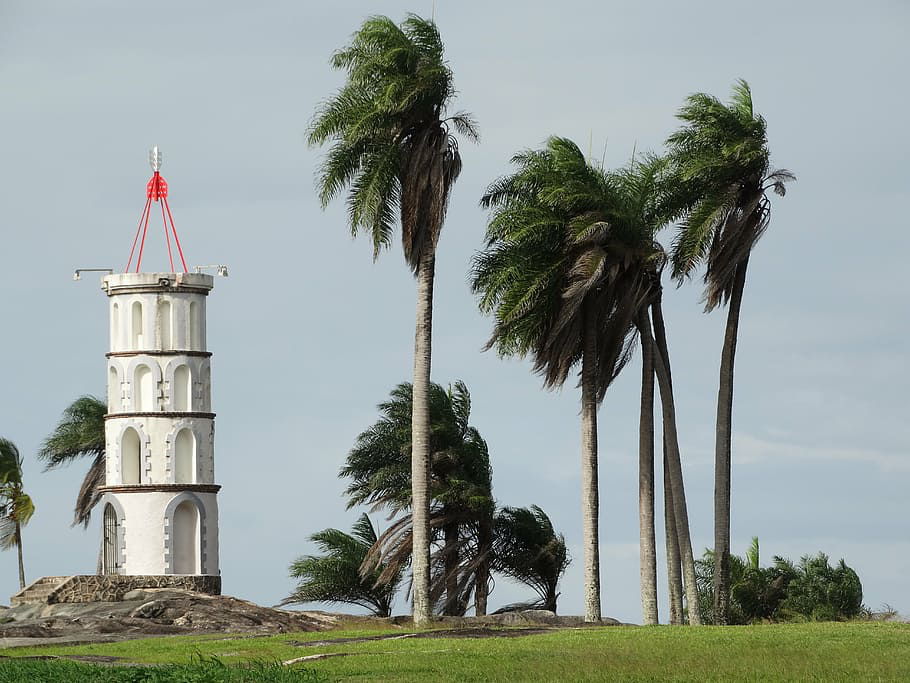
335,577
460,489
16,507
80,433
647,546
721,173
530,551
640,211
393,146
565,281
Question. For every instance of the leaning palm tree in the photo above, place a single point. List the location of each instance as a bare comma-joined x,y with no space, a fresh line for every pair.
530,551
460,490
565,283
335,577
392,145
79,434
16,507
721,174
640,211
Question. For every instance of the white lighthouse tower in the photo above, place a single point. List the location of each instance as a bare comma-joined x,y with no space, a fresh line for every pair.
160,496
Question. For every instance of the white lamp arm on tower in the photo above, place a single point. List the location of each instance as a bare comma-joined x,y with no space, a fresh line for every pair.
219,269
77,274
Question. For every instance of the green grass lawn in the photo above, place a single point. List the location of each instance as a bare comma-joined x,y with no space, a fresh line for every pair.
791,652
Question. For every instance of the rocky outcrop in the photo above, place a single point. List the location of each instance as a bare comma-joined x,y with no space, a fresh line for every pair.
153,612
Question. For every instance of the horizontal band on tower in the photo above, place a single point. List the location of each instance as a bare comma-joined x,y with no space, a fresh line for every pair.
184,413
160,488
126,354
149,289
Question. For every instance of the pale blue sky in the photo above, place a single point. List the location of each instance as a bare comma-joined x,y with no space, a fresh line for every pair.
308,334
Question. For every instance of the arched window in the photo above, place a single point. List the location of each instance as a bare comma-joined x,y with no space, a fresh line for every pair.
185,539
193,336
130,469
115,327
113,390
185,458
144,389
182,396
136,326
164,326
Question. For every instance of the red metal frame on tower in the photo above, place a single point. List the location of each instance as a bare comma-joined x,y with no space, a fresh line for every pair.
156,190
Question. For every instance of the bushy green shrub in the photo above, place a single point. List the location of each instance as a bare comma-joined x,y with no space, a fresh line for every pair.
811,590
820,592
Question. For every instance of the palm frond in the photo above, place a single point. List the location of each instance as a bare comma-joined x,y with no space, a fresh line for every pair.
391,145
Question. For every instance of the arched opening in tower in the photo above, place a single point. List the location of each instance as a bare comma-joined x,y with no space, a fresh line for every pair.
182,399
144,388
136,335
130,457
185,539
185,458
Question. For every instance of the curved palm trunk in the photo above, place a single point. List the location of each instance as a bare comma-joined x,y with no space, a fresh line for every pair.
722,454
647,551
589,493
485,548
674,570
19,552
671,440
549,602
420,442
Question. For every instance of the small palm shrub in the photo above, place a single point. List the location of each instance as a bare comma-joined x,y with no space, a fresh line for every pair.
811,590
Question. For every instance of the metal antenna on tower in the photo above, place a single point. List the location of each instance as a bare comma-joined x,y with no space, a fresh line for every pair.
155,158
156,191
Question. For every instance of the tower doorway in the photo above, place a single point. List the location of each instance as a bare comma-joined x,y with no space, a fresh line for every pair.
111,526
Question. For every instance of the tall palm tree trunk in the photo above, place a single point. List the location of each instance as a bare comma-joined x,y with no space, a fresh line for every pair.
680,513
485,549
19,552
722,453
420,441
589,494
450,567
674,570
647,551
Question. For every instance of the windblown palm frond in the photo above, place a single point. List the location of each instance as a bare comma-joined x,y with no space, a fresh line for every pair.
334,577
390,134
16,507
563,250
80,433
460,490
528,550
720,172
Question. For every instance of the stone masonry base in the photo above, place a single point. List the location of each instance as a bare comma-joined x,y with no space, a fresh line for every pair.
112,588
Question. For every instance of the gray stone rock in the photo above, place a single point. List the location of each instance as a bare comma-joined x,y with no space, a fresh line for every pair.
149,610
